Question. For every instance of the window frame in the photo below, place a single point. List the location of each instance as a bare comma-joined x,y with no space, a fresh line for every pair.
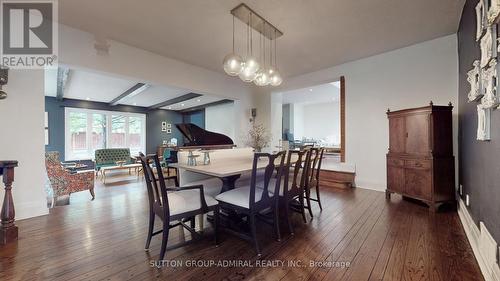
108,116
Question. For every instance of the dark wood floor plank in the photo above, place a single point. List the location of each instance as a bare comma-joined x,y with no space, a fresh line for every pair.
347,249
395,265
363,264
379,268
104,240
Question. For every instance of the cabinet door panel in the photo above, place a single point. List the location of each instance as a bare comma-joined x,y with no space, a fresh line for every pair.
397,136
418,183
395,178
417,127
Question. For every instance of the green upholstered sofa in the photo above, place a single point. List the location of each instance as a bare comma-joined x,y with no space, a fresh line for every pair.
109,156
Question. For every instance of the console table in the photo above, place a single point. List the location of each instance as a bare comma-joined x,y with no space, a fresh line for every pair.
8,229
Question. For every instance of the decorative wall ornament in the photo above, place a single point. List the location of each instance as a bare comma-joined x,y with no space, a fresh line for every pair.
488,44
474,79
483,123
489,80
480,19
493,12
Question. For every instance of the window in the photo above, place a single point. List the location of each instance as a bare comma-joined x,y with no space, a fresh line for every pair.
88,130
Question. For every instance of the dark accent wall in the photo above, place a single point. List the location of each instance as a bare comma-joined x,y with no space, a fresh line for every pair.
154,135
479,170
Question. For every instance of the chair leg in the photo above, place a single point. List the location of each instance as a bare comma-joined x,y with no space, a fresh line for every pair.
289,222
254,234
302,208
150,230
164,240
216,226
319,199
308,199
192,222
54,198
92,193
277,223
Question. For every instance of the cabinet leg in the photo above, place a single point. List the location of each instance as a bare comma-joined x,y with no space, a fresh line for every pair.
387,194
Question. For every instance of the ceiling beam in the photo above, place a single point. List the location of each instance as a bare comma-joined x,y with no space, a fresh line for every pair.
175,100
201,106
133,91
63,75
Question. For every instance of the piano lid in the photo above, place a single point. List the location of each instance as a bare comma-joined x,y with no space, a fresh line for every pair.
197,136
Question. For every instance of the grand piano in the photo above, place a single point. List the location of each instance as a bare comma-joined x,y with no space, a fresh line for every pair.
196,137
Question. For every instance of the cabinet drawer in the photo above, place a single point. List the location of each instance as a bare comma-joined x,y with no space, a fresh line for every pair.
418,164
395,162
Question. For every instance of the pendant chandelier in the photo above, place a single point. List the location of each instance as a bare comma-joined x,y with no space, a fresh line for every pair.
248,68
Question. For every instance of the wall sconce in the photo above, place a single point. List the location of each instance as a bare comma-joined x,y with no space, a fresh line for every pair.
4,78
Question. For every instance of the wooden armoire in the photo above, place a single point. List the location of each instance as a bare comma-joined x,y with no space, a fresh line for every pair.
420,162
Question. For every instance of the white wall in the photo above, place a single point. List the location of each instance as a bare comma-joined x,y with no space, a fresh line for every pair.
220,119
22,139
322,121
404,78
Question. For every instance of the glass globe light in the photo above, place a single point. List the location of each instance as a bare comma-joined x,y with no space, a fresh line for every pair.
276,79
251,65
271,70
263,78
233,64
246,75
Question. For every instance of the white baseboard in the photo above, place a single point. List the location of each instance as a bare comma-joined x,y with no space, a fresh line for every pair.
483,245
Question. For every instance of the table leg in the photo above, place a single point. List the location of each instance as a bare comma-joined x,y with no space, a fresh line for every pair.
228,183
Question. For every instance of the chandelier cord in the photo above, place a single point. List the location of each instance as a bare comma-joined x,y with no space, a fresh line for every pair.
233,34
251,36
275,53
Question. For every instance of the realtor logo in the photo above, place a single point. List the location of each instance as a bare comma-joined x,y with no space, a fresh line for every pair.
28,34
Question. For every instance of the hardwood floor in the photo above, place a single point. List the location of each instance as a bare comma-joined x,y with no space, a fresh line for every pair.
369,238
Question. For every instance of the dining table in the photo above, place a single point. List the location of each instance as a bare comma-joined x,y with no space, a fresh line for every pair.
228,170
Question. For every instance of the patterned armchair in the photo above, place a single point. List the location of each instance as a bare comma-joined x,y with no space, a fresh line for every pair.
62,181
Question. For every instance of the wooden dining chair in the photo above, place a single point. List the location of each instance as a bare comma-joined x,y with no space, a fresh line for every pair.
309,170
294,181
174,205
252,199
314,175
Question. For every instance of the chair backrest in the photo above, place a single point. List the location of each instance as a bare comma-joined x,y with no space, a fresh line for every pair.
157,191
112,155
310,163
170,155
53,165
294,168
270,169
167,154
318,164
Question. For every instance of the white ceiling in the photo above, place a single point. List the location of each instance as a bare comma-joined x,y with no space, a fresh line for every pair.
93,86
325,93
317,33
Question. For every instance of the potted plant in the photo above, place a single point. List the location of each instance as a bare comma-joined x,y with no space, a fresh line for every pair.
258,137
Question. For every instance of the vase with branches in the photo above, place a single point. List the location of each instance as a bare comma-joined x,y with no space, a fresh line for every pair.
258,137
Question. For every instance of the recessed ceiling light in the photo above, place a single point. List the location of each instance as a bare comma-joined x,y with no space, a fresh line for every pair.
182,104
135,103
87,98
169,107
310,90
198,100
